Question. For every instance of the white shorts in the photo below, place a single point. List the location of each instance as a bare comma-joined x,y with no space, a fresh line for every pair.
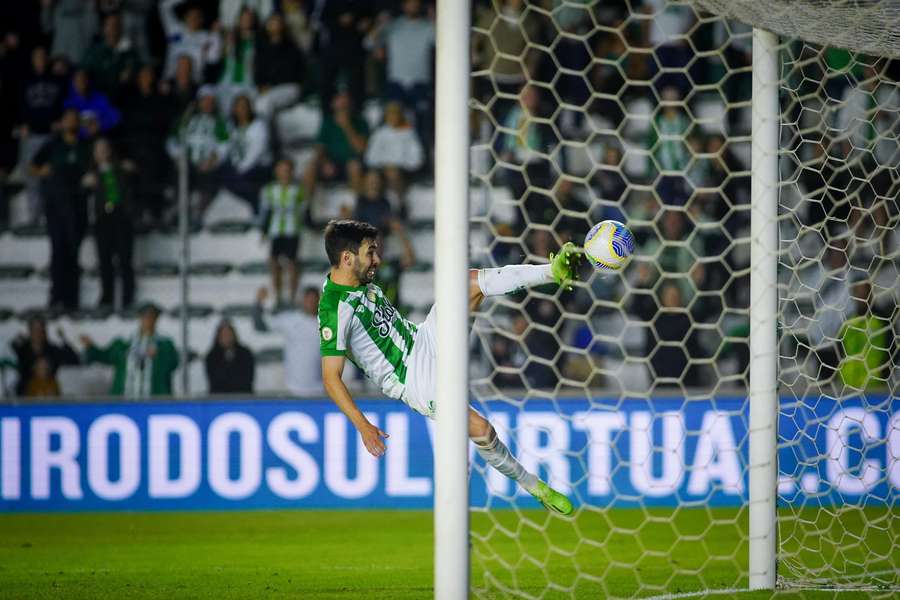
420,389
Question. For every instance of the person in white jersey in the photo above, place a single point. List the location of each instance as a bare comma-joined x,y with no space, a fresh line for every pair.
356,322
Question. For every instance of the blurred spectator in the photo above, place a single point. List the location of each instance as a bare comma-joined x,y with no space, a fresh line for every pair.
204,137
501,37
61,164
73,24
135,16
229,365
180,89
230,11
865,343
524,142
409,43
667,143
83,98
41,106
671,251
610,185
113,223
302,368
341,26
373,207
281,212
111,62
535,343
237,75
43,383
147,115
279,69
144,363
340,145
395,148
670,326
249,155
35,348
297,23
188,37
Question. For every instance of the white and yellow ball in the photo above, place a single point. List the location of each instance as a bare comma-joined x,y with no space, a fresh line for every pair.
609,245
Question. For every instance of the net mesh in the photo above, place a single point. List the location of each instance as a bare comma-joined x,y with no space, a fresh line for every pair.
629,392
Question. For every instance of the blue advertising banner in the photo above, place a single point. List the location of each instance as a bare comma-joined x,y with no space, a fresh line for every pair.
305,454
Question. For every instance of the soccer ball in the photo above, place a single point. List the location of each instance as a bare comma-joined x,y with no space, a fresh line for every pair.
608,245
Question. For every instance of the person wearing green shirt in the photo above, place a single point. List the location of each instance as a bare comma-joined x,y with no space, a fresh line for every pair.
143,364
864,343
341,144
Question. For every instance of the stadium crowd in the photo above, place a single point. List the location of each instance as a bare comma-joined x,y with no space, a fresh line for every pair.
103,99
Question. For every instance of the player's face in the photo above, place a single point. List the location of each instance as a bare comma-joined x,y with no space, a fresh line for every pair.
367,261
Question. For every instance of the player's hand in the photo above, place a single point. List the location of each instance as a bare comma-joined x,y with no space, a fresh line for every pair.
86,341
261,295
371,437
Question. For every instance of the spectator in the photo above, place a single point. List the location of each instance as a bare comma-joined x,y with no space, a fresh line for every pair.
41,106
341,144
82,98
668,145
113,223
230,11
73,24
302,368
33,348
409,42
135,16
372,207
61,164
249,156
341,26
229,365
865,343
533,342
143,363
237,67
43,383
396,149
180,90
147,114
111,62
524,143
297,23
203,135
188,38
279,68
281,213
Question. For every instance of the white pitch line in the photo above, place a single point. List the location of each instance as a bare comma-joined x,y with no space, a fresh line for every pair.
718,592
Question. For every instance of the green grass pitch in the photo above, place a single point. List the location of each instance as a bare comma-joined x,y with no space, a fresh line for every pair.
372,554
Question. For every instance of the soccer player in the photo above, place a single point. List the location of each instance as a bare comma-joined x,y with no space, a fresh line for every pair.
357,322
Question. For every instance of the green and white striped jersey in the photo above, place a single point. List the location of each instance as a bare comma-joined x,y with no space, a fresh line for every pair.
280,207
360,323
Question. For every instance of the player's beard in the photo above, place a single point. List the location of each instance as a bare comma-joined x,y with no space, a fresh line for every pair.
366,274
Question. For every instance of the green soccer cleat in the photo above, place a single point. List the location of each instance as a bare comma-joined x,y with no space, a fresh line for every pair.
563,266
552,500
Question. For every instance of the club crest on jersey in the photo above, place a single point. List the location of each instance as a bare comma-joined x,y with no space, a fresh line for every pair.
371,295
382,318
327,334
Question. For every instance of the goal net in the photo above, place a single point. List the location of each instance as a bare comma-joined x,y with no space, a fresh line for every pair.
630,392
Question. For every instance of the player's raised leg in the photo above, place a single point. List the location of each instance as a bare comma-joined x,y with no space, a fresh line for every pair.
508,279
496,454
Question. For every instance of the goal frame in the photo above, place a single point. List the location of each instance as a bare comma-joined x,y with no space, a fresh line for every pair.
451,518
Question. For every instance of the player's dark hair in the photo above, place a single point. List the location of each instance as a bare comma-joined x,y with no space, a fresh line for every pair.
346,234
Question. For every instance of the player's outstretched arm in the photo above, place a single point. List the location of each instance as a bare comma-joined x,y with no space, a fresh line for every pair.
332,369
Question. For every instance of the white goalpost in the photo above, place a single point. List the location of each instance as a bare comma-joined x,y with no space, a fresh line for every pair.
723,412
451,498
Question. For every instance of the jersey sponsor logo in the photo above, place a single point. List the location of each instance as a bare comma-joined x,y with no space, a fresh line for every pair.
327,334
382,318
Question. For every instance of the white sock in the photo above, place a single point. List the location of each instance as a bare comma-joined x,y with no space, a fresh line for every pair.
496,454
508,279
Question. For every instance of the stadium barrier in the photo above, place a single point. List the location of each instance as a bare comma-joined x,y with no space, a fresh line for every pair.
304,454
